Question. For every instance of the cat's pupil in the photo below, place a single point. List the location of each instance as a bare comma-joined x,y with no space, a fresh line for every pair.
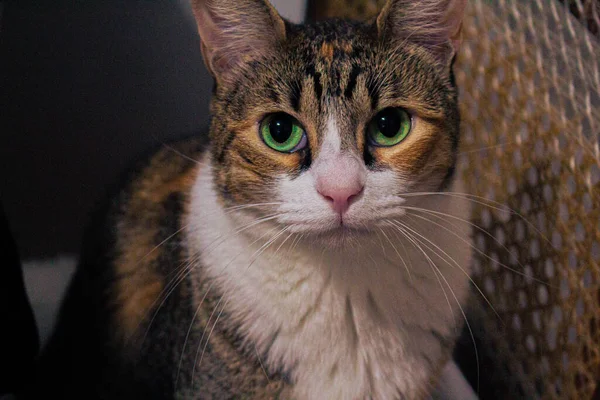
389,123
281,127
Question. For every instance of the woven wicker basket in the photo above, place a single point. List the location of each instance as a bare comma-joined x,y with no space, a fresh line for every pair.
529,75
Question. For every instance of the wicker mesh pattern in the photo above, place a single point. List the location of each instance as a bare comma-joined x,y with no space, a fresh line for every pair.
588,12
529,75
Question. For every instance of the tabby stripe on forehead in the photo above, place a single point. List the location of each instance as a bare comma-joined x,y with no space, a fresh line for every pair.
352,78
273,95
373,93
316,76
295,95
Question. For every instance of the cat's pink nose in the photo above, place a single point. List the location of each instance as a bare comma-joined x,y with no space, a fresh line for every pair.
340,180
340,197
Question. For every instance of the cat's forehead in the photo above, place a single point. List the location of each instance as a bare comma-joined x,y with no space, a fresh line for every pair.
333,68
332,40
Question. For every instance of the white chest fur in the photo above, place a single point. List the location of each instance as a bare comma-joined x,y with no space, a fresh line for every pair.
359,324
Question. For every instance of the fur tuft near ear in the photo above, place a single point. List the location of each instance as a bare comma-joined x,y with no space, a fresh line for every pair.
232,31
434,24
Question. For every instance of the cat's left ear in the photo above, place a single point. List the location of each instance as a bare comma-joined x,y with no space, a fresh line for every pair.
435,25
235,31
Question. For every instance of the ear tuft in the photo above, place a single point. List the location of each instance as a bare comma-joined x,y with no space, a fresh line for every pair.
234,31
433,24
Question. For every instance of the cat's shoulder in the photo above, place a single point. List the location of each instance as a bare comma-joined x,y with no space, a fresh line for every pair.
147,217
168,170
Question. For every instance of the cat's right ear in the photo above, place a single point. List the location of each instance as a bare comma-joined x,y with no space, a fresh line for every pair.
236,31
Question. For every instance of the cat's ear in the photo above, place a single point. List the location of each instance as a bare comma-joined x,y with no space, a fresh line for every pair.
232,31
434,24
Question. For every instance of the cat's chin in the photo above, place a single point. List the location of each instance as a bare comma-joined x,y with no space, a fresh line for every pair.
342,237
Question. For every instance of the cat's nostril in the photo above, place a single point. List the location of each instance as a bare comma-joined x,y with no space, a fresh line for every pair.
355,196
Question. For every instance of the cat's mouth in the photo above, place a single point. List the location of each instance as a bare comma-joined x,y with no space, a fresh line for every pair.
343,235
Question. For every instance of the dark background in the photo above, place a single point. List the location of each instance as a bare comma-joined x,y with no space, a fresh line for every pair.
85,88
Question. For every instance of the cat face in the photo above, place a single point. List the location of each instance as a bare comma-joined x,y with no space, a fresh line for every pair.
327,124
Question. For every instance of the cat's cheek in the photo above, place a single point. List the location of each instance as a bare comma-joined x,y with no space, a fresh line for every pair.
422,162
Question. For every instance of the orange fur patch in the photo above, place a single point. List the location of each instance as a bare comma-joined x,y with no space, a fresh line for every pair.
327,51
139,285
420,153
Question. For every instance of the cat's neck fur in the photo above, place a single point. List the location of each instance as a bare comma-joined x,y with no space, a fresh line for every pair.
349,325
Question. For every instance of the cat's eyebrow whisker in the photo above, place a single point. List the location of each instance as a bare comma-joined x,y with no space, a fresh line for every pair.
408,236
481,252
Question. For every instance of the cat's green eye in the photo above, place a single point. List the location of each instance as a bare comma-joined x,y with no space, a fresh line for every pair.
282,132
389,127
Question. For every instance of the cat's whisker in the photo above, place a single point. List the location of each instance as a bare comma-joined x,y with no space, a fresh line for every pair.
203,334
283,242
494,205
180,271
503,208
174,150
227,210
397,253
481,252
254,256
266,245
187,335
408,236
210,287
401,241
496,146
261,364
441,251
439,215
295,243
261,250
186,270
177,232
380,242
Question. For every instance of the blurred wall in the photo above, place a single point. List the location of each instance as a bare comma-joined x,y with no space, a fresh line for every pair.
85,87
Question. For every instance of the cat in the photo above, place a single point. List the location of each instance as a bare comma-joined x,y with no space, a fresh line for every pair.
310,248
